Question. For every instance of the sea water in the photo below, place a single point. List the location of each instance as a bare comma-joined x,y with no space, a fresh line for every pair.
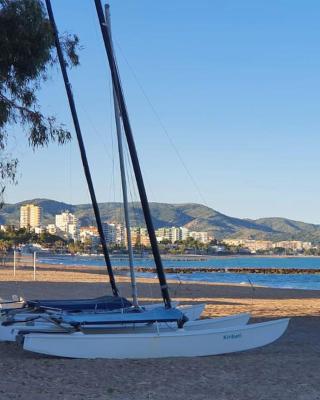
294,281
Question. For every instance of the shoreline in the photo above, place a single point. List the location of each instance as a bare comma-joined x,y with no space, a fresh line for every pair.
73,277
176,257
190,270
229,276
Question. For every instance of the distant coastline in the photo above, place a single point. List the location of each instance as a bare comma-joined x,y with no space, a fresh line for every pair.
219,225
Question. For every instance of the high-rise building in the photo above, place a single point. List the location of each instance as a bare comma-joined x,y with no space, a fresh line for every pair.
184,233
144,237
135,236
68,224
30,216
175,234
120,235
109,231
162,234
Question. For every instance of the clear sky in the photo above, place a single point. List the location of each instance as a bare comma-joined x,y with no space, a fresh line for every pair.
235,83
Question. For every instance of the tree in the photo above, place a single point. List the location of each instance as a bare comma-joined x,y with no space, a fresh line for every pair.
4,246
26,56
165,241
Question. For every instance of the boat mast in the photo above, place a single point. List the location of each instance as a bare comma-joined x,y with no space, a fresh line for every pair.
133,154
82,148
123,177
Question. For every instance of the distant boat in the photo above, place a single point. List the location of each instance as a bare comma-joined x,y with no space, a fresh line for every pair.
30,248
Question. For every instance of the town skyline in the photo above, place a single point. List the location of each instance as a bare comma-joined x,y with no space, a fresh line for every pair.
174,239
67,226
193,216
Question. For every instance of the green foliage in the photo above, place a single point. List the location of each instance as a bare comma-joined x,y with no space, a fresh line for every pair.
12,237
26,55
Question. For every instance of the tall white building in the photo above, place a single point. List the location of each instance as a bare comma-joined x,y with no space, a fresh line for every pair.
68,224
114,233
175,234
202,237
109,231
120,235
184,233
30,216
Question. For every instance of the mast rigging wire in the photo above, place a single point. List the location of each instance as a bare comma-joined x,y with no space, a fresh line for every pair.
164,129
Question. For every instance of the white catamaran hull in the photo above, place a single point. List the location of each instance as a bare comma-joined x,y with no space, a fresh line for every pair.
177,343
9,333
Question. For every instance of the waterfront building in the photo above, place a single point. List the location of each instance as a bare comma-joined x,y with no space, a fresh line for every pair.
171,234
233,242
256,245
184,233
52,229
89,233
114,233
120,235
30,216
67,223
139,237
135,236
162,234
144,237
175,234
109,231
250,244
296,245
202,237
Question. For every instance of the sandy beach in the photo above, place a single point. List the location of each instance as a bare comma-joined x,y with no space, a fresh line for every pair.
286,369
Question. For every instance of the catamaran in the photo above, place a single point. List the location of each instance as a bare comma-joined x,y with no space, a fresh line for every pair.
55,323
186,342
162,331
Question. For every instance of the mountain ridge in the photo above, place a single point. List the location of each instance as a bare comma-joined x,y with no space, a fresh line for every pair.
191,215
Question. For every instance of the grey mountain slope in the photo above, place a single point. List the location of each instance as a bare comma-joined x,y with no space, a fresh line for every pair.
193,216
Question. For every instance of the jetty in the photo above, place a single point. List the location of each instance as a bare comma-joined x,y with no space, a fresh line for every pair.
235,270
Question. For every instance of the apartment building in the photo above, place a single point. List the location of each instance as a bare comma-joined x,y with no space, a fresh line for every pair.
67,223
30,216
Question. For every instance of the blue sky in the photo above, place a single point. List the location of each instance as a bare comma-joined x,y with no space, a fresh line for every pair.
236,85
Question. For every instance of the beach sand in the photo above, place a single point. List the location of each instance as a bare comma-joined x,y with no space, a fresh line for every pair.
286,369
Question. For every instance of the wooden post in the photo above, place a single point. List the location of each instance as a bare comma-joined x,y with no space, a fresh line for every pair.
34,265
14,263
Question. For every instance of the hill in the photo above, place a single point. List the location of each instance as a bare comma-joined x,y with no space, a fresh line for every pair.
190,215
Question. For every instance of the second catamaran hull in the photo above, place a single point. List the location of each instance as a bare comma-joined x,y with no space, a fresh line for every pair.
176,343
41,321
